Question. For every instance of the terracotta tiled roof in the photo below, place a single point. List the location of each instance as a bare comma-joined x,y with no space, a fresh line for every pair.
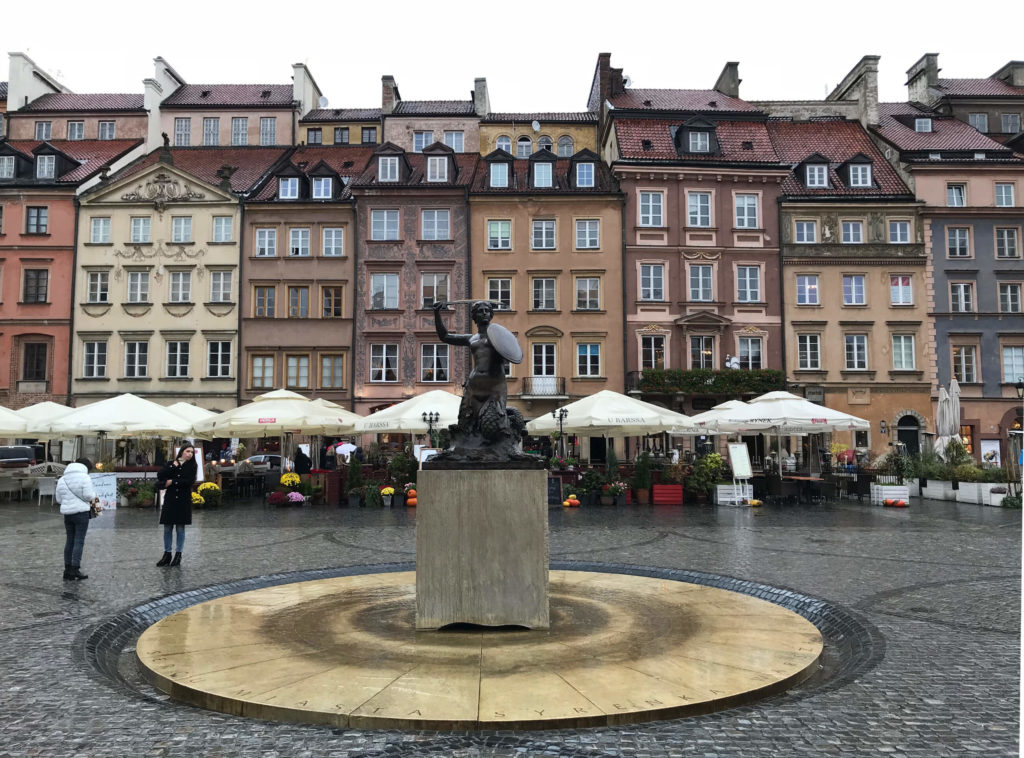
341,114
252,163
519,180
633,134
348,161
465,162
434,108
838,141
584,117
947,133
989,87
690,100
69,101
93,154
3,90
230,95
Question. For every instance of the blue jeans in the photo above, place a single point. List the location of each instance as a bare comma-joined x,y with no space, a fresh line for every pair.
76,525
168,528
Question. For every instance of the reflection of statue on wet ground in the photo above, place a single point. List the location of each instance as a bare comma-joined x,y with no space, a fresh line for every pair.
487,429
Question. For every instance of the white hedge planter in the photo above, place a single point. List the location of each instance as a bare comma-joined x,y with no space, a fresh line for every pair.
939,490
979,493
883,492
914,487
727,494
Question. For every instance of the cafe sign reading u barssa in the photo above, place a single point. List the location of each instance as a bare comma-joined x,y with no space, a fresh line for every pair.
627,419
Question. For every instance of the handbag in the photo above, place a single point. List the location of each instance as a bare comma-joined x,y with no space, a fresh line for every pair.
95,509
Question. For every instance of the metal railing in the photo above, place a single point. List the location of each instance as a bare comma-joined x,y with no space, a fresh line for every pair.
544,386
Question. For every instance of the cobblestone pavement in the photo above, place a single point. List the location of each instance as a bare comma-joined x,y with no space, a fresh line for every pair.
939,582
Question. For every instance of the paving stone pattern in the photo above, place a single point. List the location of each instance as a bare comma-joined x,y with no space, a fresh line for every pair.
929,596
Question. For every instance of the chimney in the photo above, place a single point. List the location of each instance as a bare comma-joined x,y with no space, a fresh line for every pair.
224,173
729,80
389,96
1012,73
922,77
861,85
608,82
481,102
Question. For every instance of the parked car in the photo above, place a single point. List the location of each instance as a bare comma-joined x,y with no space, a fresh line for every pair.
264,462
18,456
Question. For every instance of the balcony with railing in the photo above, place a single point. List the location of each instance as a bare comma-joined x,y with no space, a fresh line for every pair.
731,382
552,387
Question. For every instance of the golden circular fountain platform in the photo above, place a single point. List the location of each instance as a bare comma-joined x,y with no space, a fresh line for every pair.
344,651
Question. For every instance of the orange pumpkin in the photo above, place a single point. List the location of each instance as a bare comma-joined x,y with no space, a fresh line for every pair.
410,501
411,493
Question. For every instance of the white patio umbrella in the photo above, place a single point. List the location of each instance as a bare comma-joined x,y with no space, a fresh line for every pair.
947,418
787,413
11,424
703,420
407,416
277,413
608,412
124,415
189,412
38,418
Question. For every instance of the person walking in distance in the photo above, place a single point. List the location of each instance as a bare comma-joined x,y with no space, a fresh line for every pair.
177,478
76,497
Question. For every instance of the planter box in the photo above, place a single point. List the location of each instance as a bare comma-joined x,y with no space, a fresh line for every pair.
667,494
915,488
728,494
939,490
980,493
883,492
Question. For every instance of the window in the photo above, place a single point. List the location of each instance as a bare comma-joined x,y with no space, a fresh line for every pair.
700,283
1009,299
978,120
298,242
504,143
961,297
817,175
853,232
652,351
499,174
903,352
433,363
383,291
106,130
240,130
652,281
899,232
76,130
384,225
860,175
748,284
588,293
266,243
211,131
37,220
334,241
43,129
1013,363
387,168
138,286
542,174
702,352
588,359
288,188
262,371
220,286
6,166
650,208
140,230
98,287
341,135
181,286
543,235
99,230
900,292
95,365
565,147
314,136
922,124
332,371
421,140
136,359
750,353
436,224
33,364
383,363
181,229
807,290
499,235
545,143
543,294
1010,123
958,242
323,188
746,211
524,147
808,352
177,359
853,290
268,130
499,290
806,232
700,208
45,166
455,140
36,285
584,174
298,302
856,352
265,301
1004,194
369,135
965,363
182,132
433,289
543,365
588,234
1006,243
218,359
298,370
222,228
700,142
331,302
437,168
956,195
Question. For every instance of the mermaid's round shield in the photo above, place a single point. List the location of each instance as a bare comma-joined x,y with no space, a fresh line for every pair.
505,343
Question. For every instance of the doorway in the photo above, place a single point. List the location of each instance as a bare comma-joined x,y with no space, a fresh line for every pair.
908,431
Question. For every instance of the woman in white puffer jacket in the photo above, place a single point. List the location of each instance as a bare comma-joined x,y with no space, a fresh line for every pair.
76,495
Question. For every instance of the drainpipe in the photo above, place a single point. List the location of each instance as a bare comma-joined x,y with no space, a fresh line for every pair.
469,267
71,315
782,297
355,304
241,281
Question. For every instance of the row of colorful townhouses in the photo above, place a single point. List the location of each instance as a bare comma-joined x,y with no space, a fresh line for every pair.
210,242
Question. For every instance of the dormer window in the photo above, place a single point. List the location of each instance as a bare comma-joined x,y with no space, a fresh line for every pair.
700,142
45,165
437,168
499,174
860,175
979,156
6,166
542,175
584,174
817,175
922,125
323,188
387,168
288,188
934,156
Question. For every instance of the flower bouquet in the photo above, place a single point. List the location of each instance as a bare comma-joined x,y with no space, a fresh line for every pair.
296,498
277,498
387,495
290,480
211,494
197,499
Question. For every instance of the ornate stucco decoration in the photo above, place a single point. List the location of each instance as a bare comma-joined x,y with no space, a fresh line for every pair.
653,328
159,250
751,329
701,255
162,189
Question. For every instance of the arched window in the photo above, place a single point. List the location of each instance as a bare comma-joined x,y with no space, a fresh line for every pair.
524,147
545,143
505,143
565,147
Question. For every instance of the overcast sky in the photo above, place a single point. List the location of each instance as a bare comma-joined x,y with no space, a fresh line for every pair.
535,57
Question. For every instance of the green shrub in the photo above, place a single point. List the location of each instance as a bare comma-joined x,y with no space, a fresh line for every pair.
996,474
967,472
929,465
1012,501
956,453
641,472
707,472
355,476
611,465
372,496
402,468
591,481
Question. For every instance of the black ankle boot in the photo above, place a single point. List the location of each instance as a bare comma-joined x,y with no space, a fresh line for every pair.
165,560
177,560
76,574
67,572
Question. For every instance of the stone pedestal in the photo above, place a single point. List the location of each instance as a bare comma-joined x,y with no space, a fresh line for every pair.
482,548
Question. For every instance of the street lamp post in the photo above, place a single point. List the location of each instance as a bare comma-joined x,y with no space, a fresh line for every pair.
560,415
1020,396
431,418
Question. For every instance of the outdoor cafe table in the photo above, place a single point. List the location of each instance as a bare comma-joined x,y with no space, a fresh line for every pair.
805,484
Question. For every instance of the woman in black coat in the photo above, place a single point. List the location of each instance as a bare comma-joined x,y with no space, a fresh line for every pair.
177,477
